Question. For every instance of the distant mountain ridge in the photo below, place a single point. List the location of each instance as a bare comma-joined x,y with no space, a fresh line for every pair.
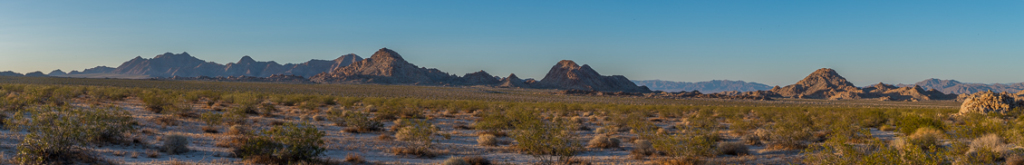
957,87
186,65
713,86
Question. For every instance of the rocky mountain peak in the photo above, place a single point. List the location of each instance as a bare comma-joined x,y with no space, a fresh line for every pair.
513,76
246,60
825,77
387,55
566,74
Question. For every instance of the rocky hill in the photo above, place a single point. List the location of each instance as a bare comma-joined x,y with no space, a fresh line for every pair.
713,86
57,73
185,65
827,84
10,73
385,67
567,74
822,83
957,87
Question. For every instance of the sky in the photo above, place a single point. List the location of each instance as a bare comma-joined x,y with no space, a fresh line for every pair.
771,42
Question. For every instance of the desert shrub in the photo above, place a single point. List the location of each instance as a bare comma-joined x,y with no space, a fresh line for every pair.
688,144
909,123
732,148
975,125
603,141
872,118
643,148
538,137
266,110
838,151
55,133
991,143
175,144
236,116
211,118
791,132
493,122
288,143
454,161
358,122
926,137
156,100
392,113
477,160
740,126
703,119
354,158
237,130
418,134
487,140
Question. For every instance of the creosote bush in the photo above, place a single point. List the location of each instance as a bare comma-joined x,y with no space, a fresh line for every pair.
56,133
417,133
357,122
287,143
175,144
538,137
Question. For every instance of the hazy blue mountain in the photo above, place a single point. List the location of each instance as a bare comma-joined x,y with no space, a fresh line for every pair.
712,86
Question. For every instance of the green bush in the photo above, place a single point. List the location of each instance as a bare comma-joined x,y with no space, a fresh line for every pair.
538,137
418,134
212,118
908,123
55,132
156,100
357,121
286,144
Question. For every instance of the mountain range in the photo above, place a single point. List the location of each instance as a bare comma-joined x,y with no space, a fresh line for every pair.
384,67
957,87
713,86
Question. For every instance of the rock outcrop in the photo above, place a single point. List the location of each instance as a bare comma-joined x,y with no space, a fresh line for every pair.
385,67
567,74
822,83
479,78
512,81
989,102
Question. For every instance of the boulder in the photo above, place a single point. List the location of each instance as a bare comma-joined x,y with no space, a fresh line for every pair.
989,102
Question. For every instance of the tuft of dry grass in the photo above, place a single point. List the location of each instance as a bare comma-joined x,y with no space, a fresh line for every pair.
477,160
414,151
236,130
210,129
989,142
152,154
454,161
166,120
354,158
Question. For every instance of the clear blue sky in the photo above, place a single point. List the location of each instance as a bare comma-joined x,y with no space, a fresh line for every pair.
773,42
